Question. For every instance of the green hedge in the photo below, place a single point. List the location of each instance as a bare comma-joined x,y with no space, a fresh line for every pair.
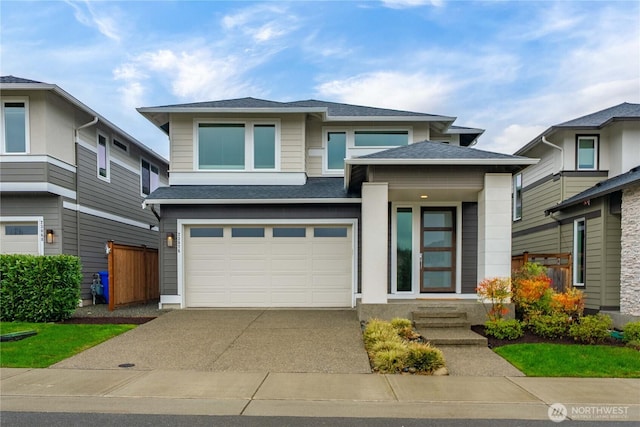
39,288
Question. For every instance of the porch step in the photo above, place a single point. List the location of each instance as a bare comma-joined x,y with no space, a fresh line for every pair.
452,337
440,317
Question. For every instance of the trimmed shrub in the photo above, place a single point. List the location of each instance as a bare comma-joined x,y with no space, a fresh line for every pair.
504,329
631,332
390,361
39,288
424,357
549,325
634,344
591,329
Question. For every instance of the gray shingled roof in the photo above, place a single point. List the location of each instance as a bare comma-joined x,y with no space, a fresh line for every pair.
348,110
13,79
437,150
314,188
333,108
600,189
600,118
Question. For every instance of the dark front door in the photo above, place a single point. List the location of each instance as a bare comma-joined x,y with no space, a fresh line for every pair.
438,250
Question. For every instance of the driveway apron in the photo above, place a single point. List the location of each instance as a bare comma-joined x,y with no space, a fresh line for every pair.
236,340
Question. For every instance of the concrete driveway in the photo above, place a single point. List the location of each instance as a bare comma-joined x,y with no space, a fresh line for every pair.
236,340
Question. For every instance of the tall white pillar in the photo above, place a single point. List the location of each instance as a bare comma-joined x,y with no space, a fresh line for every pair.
375,242
494,226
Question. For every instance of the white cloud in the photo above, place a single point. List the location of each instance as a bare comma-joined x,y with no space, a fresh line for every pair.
105,24
391,89
404,4
261,23
513,137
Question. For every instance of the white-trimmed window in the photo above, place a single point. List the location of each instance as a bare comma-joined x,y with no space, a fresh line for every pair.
517,197
149,177
579,252
247,145
15,126
342,143
103,156
587,152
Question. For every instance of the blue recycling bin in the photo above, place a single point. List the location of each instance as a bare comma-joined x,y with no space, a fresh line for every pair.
104,279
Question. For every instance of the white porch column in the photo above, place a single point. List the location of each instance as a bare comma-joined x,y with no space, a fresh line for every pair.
375,242
494,226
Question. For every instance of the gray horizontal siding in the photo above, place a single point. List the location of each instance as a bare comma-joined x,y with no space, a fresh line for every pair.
171,214
69,232
469,278
23,172
95,232
62,177
121,196
48,207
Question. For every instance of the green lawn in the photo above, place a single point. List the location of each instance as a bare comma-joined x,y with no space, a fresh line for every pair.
561,360
53,343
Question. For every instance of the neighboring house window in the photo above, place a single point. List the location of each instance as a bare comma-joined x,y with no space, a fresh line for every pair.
336,150
517,197
237,146
587,152
149,177
121,145
579,251
103,157
15,134
380,138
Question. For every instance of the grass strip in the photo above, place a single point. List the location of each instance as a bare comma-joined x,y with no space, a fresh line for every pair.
53,343
581,361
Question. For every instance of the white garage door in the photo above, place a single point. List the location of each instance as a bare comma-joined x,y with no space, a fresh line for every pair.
19,238
268,266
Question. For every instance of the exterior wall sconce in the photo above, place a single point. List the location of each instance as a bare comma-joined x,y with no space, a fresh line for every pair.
50,236
171,239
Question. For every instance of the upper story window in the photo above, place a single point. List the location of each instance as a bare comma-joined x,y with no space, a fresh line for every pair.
336,150
15,126
517,197
237,146
339,142
587,152
149,177
103,157
380,138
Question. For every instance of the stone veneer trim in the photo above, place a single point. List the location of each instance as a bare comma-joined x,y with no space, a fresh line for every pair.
629,254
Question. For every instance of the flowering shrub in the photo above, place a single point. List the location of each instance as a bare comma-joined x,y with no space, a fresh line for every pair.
533,296
570,303
497,290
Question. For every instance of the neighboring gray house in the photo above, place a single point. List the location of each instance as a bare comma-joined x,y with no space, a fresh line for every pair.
583,197
70,180
319,204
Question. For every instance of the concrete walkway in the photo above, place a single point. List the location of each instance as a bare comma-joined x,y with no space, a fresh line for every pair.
315,394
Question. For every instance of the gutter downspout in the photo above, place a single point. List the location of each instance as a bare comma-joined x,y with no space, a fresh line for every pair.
77,138
544,141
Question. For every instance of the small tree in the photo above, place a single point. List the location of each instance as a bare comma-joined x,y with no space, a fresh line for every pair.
497,291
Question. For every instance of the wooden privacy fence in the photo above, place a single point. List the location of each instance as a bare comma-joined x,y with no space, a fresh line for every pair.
558,267
133,275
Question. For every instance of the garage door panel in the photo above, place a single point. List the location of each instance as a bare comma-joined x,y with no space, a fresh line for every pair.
302,271
19,238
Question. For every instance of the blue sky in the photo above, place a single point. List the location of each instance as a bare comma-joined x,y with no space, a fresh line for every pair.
513,68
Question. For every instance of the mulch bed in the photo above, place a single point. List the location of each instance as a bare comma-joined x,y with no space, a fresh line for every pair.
97,320
530,338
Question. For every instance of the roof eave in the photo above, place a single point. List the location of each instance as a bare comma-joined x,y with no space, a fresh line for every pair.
562,205
214,201
482,162
196,110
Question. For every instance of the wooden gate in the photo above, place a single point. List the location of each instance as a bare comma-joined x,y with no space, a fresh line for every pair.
133,275
558,267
